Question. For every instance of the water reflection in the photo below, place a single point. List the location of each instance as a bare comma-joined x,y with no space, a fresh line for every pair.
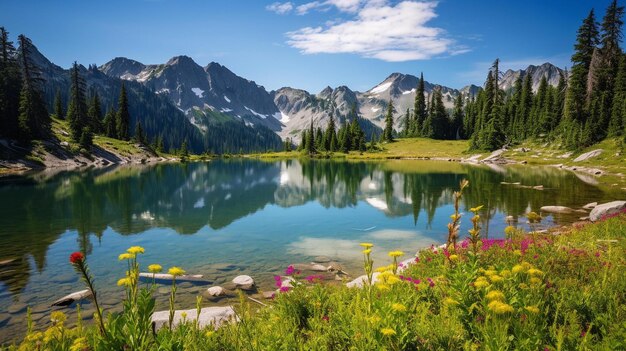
279,212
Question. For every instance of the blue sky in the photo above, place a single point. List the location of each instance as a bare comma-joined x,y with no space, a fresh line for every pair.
305,43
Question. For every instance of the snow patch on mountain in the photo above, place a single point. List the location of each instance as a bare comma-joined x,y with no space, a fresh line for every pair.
381,88
227,99
255,113
199,92
283,118
408,92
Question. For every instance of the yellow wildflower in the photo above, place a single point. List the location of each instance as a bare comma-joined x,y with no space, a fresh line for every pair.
176,271
367,251
396,253
535,281
495,295
517,268
532,309
383,287
398,307
517,252
384,268
183,315
476,209
135,250
523,286
505,273
450,301
80,344
509,230
155,268
481,282
500,307
367,245
57,317
534,271
495,278
373,319
125,256
209,333
453,257
123,282
388,331
490,271
455,216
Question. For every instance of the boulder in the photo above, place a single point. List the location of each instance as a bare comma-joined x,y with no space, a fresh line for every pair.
269,294
556,209
216,291
71,298
588,155
362,281
606,209
209,316
243,282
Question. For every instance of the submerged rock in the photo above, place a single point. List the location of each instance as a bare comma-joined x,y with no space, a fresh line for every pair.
209,316
243,282
556,209
73,297
606,209
590,205
216,291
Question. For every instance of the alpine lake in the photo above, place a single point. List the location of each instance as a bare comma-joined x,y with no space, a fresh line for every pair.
225,218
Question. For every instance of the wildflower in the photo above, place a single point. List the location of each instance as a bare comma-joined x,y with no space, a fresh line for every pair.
155,268
367,251
517,252
481,282
325,318
398,307
490,272
500,307
416,281
517,268
278,281
505,273
383,269
495,295
125,256
290,270
209,333
80,344
523,286
535,281
367,245
495,278
383,287
453,257
184,315
396,253
76,258
134,250
534,271
57,317
123,282
176,271
450,301
388,331
373,319
314,278
509,230
284,289
532,309
476,209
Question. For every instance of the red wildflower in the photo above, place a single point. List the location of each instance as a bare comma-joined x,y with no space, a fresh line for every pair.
77,257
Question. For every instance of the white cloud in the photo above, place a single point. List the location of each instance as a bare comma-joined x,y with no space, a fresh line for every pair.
280,8
378,30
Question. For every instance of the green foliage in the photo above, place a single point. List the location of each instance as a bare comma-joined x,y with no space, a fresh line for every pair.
388,131
122,117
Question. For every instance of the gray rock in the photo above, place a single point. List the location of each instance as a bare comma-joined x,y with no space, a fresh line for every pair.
556,209
216,291
71,298
590,205
606,209
209,316
269,294
588,155
321,259
244,282
362,281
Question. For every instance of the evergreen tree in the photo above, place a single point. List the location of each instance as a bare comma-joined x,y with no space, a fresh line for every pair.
456,125
33,119
159,144
330,139
77,109
539,107
10,87
610,50
406,130
388,132
586,42
419,109
525,108
619,94
86,139
184,151
122,118
310,140
94,114
110,128
140,137
58,106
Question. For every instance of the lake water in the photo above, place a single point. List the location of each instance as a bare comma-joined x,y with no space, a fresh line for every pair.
229,217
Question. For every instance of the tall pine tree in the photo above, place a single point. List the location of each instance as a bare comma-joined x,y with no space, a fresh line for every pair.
122,118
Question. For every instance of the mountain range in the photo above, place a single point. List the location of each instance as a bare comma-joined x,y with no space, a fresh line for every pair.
205,105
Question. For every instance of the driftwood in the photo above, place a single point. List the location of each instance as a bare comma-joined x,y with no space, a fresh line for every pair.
73,297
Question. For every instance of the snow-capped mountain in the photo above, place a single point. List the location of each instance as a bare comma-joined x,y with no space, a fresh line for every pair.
198,91
550,71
